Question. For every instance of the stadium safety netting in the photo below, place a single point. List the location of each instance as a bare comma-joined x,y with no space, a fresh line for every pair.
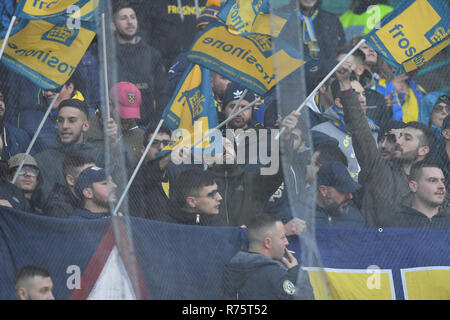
228,149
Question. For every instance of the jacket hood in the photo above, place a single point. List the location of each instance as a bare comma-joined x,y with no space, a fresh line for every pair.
243,265
427,106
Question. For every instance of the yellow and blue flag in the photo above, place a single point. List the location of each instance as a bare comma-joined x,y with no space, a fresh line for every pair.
412,33
247,59
45,52
44,10
192,109
240,15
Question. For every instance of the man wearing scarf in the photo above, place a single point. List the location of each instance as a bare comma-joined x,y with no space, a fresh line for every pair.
321,33
336,128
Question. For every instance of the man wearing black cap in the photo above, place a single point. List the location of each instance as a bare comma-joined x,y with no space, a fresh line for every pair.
335,190
96,191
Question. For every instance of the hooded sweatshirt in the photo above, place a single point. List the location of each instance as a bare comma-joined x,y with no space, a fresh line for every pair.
253,276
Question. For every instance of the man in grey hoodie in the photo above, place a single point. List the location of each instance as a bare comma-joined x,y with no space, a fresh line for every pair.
268,270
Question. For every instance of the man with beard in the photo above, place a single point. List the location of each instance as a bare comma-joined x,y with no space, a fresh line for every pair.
72,127
385,180
335,190
386,141
96,191
139,63
427,183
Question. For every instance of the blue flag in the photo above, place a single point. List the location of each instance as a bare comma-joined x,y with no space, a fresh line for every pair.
170,261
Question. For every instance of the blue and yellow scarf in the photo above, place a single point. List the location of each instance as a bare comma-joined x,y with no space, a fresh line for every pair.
340,124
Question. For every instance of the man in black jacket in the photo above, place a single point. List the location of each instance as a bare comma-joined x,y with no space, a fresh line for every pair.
63,199
97,191
139,63
268,270
197,199
427,183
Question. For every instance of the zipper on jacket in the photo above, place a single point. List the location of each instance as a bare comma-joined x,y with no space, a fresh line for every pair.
197,219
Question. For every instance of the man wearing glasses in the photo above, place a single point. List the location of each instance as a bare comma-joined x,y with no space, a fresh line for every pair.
196,199
29,181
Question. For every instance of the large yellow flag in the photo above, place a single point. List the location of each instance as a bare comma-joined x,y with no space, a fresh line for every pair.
45,52
43,10
412,34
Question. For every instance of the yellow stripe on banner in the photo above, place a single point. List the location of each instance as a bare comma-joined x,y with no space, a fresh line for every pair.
47,49
405,35
426,56
86,9
426,283
352,284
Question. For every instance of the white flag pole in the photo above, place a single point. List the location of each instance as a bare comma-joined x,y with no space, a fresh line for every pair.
138,166
313,93
50,107
8,33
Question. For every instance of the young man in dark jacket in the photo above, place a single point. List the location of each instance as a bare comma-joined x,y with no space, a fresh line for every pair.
385,181
63,199
139,63
427,183
197,199
96,190
267,271
72,126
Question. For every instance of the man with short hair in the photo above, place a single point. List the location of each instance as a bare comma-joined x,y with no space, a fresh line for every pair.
336,127
427,183
267,270
335,190
73,124
139,63
385,181
30,117
96,190
162,140
33,283
63,199
197,199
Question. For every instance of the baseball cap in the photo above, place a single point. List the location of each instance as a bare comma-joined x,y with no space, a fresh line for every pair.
234,91
128,98
14,161
335,174
446,122
89,176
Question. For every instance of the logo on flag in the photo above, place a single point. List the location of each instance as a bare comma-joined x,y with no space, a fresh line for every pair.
61,34
412,33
